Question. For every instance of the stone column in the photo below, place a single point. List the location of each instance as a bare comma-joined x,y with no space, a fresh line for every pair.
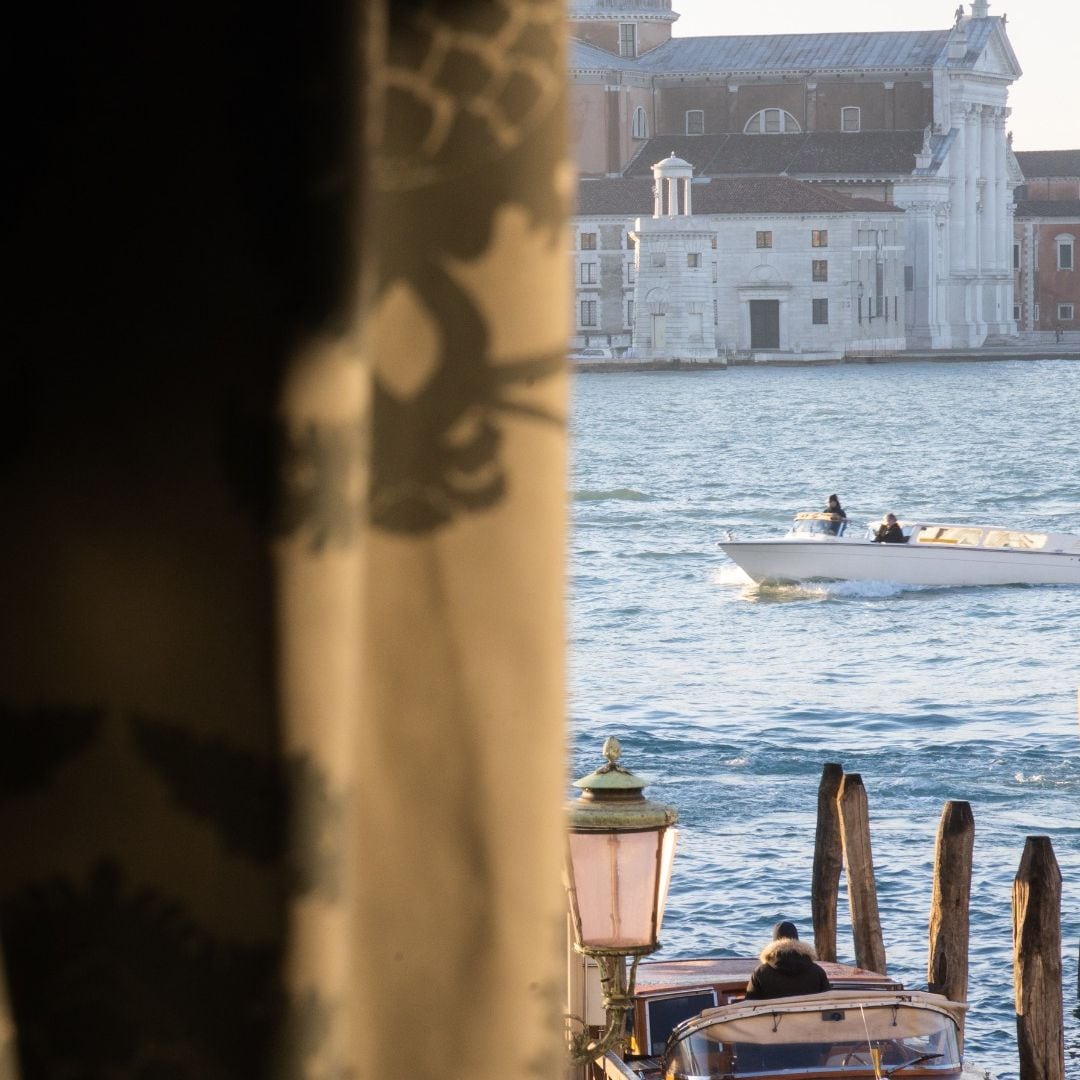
992,211
957,158
1001,189
971,193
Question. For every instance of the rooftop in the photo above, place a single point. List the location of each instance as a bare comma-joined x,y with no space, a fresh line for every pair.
810,154
1047,208
1049,163
890,50
731,195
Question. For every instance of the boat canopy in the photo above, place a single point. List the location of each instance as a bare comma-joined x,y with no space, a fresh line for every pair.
838,1032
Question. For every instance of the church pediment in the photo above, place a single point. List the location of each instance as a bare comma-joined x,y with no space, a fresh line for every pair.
997,57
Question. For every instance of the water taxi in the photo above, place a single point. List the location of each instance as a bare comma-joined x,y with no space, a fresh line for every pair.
690,1022
823,547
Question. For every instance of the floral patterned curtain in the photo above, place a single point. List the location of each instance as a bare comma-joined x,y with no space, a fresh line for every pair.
281,752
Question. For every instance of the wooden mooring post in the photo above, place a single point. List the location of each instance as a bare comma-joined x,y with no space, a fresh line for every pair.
1037,975
828,861
947,955
859,860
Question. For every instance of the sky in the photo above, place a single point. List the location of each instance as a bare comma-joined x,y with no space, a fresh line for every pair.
1044,35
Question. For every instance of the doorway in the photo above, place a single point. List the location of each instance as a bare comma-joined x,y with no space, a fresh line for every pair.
764,324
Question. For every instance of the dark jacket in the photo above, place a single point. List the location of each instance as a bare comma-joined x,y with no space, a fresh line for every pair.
787,969
890,534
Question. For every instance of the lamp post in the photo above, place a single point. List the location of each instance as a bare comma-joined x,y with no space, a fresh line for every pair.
618,868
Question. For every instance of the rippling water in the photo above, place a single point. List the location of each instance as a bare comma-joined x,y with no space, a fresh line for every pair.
731,697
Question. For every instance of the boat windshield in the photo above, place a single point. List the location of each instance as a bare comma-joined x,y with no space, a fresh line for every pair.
842,1041
808,524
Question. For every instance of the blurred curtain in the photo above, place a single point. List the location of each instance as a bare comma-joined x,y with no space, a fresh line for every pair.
281,742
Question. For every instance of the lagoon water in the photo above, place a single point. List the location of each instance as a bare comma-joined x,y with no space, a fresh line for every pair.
731,697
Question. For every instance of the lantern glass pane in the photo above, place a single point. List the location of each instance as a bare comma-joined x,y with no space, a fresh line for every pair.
615,879
667,859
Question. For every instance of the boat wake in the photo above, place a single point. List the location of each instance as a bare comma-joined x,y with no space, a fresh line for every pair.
822,590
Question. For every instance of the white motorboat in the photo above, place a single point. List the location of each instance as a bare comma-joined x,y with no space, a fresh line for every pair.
690,1022
822,547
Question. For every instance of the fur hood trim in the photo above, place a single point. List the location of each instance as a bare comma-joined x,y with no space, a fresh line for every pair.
786,945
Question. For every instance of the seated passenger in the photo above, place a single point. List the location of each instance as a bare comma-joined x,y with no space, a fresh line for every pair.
787,967
890,532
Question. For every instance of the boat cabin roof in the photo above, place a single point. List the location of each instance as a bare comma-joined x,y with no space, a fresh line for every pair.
875,1016
990,536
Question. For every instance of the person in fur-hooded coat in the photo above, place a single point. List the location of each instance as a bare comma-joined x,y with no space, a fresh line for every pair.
787,967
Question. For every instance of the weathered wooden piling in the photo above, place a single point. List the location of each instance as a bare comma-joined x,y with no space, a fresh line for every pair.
947,955
1037,976
859,860
828,861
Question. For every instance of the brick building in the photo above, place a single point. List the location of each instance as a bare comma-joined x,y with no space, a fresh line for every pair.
1046,242
915,120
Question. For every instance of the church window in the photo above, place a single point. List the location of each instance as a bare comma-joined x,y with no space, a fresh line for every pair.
771,122
820,312
588,241
764,239
588,312
851,118
640,126
1065,312
819,269
628,39
693,260
695,121
1064,244
819,237
588,273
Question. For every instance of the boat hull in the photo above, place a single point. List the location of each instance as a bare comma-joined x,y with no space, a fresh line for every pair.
785,561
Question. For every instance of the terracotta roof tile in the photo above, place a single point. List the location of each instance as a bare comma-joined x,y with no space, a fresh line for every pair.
1047,163
815,153
1048,208
732,195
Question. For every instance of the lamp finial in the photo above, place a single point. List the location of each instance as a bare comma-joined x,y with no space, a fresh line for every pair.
612,750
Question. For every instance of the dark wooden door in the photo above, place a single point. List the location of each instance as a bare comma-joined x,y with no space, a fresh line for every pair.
764,324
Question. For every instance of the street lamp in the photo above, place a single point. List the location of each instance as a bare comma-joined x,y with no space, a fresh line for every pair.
618,868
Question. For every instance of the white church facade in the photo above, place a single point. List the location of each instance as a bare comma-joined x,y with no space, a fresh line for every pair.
915,122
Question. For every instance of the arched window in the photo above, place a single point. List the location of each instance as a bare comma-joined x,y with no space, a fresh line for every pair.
771,122
851,118
640,124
